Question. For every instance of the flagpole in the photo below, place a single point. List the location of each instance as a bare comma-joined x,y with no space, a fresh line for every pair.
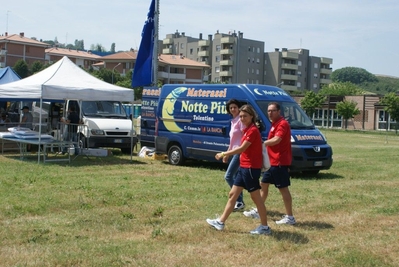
155,51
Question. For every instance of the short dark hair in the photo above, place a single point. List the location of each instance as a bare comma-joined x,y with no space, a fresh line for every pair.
232,101
277,105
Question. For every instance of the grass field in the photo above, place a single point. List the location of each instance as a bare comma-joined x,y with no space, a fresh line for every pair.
114,212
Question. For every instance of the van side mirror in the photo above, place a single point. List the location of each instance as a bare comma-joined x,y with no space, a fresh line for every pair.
131,117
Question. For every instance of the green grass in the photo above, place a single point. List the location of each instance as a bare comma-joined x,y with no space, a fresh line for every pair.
114,212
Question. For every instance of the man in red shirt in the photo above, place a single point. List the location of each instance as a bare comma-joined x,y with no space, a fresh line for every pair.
278,146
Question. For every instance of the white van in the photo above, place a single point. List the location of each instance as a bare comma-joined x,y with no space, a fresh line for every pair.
106,124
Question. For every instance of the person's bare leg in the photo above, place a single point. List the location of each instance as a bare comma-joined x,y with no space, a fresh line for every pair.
285,193
260,205
233,196
264,191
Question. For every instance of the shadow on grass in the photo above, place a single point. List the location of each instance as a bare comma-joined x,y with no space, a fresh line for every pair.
296,238
204,164
79,161
320,176
314,225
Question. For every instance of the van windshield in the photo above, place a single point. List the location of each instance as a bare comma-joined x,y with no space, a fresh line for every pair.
106,109
292,112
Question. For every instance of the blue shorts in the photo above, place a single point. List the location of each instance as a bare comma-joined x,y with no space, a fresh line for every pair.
248,178
277,175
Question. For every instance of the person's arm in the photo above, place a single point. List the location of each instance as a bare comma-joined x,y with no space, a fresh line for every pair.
273,141
237,150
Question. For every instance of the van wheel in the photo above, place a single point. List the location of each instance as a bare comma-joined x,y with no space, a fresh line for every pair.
83,141
175,155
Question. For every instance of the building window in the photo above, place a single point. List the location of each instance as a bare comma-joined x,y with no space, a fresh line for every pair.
249,48
257,71
182,46
249,59
316,66
217,58
248,71
299,73
257,61
315,85
257,81
253,60
191,51
315,75
258,50
217,47
299,63
298,84
217,69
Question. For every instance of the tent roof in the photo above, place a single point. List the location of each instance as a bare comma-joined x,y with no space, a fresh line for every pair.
8,75
64,80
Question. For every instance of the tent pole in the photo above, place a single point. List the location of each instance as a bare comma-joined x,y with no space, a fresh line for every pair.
40,129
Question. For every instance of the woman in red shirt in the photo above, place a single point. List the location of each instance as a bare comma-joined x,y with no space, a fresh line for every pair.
249,172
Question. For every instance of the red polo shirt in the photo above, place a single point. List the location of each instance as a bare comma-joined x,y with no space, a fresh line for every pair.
281,153
252,156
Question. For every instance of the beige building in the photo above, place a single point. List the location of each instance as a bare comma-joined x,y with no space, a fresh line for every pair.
83,59
15,47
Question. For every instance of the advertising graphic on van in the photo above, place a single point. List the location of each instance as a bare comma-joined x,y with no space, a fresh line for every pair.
192,122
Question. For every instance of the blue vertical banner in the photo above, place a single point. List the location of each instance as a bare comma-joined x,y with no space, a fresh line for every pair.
142,73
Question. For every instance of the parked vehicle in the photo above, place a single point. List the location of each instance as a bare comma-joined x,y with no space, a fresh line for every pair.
149,106
105,124
192,123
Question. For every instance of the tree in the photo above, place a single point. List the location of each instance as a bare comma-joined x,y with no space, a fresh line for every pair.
391,102
112,48
353,75
341,89
348,110
36,67
311,102
21,68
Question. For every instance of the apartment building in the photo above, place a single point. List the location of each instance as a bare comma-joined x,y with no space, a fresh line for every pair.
15,47
83,59
235,59
297,70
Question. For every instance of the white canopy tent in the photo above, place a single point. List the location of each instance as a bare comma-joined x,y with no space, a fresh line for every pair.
64,80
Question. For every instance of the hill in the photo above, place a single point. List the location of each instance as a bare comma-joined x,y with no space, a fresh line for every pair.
384,85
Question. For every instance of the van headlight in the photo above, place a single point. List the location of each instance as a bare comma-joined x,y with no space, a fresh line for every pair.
292,139
97,132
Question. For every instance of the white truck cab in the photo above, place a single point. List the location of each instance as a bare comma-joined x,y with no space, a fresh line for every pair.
105,124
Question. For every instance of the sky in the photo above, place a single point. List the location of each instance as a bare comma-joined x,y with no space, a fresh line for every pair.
354,33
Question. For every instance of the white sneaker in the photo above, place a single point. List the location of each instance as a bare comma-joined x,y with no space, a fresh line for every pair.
287,220
239,206
215,223
253,213
261,230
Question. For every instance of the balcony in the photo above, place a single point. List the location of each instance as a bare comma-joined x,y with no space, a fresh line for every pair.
176,76
326,60
226,52
226,73
325,81
167,51
2,65
3,52
228,62
289,66
289,87
287,54
204,43
326,71
289,77
227,40
167,41
203,53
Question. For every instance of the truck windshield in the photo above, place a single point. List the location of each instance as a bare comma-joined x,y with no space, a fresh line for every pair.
292,112
108,109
